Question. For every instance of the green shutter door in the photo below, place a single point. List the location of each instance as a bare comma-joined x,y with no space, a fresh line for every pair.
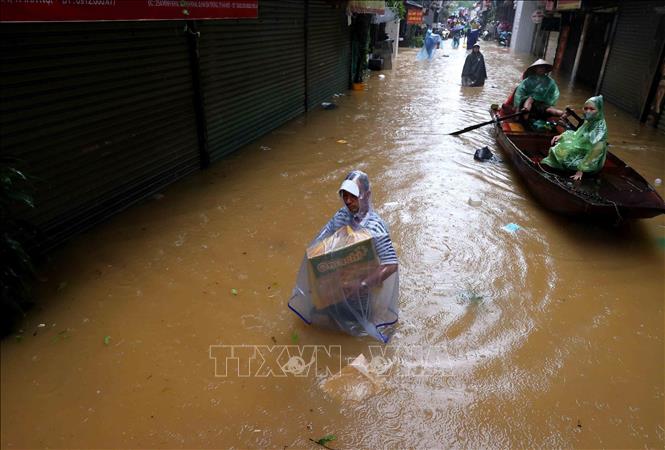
328,51
252,74
633,59
101,113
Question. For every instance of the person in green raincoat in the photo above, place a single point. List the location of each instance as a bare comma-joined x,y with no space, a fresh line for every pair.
585,149
537,93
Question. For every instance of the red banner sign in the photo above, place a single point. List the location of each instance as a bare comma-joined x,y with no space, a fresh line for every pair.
101,10
414,16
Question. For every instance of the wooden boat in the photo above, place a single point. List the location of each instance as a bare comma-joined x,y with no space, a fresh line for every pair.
616,193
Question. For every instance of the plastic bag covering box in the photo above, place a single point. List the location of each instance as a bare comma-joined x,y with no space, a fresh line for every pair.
328,293
345,257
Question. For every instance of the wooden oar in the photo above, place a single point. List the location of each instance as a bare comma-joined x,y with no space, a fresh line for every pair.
473,127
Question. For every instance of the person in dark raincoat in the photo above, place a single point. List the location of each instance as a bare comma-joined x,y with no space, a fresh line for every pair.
585,149
474,72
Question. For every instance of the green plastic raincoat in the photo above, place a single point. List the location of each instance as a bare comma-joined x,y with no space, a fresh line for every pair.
584,149
540,87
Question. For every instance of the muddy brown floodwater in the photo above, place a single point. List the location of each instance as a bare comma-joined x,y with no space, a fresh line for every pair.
549,337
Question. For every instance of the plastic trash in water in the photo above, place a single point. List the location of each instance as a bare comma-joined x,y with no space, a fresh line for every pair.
475,202
342,141
381,76
482,154
511,228
658,182
328,105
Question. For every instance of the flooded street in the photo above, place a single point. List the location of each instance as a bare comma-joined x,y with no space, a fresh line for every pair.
548,337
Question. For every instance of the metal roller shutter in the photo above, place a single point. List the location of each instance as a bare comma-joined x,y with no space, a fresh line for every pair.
101,113
634,57
252,74
328,51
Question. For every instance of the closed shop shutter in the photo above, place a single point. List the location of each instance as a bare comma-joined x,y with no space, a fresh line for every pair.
328,51
101,114
633,57
252,74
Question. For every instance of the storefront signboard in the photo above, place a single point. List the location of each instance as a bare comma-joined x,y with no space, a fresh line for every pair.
414,16
367,6
565,5
108,10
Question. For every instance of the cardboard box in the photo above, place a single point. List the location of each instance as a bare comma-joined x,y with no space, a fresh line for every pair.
346,256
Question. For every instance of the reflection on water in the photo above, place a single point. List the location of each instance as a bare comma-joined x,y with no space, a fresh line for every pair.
551,336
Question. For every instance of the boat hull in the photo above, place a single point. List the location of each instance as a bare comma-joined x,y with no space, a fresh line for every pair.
615,194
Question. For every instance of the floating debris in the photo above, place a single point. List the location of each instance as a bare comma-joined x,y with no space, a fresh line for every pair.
511,228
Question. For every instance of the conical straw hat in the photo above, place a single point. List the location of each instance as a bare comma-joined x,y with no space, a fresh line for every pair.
541,62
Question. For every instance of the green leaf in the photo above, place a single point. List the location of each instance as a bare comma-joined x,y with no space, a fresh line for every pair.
61,335
21,197
295,337
325,439
234,291
107,340
17,173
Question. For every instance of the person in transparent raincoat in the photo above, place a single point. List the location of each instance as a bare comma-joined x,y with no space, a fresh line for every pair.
537,93
585,149
348,279
430,44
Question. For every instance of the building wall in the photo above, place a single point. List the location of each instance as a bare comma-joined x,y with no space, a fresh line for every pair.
523,27
392,30
552,42
106,114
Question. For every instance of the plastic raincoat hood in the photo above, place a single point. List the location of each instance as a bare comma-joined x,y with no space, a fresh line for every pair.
584,149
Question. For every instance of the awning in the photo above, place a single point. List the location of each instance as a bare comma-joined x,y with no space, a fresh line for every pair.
367,6
412,4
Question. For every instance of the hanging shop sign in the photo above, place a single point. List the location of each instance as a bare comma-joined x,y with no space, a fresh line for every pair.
414,16
564,5
104,10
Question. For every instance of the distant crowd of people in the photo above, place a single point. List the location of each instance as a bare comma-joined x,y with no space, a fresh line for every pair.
460,28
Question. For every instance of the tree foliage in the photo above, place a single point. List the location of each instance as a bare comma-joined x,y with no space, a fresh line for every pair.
16,269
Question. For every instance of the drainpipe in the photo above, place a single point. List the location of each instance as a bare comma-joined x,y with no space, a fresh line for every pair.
193,36
580,47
